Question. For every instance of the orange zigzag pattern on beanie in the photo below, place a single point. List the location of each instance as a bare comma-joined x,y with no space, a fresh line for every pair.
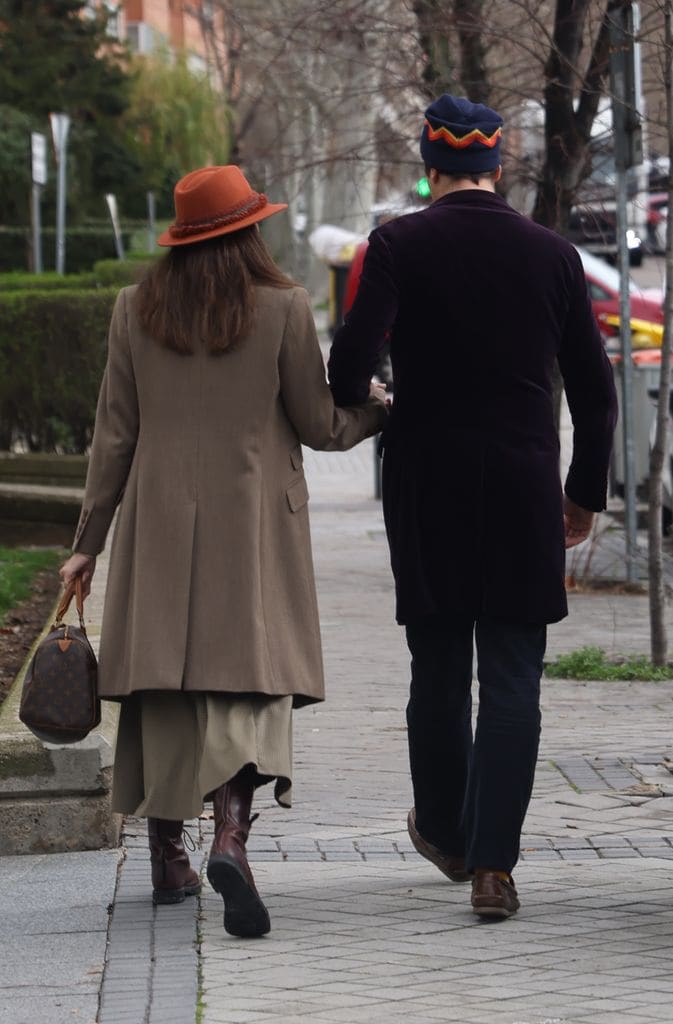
462,141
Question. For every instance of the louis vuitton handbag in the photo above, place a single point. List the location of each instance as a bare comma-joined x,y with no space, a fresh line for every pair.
59,702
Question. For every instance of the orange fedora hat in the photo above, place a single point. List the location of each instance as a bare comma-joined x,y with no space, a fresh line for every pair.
215,201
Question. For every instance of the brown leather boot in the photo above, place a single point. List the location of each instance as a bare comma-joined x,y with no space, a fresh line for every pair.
172,875
228,870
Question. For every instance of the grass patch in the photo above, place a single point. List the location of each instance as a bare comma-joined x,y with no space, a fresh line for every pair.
592,663
18,569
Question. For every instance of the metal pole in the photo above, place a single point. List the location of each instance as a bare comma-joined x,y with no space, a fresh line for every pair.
60,216
60,125
111,201
37,230
627,142
151,222
628,419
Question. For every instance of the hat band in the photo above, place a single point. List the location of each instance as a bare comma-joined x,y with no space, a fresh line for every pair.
462,141
183,228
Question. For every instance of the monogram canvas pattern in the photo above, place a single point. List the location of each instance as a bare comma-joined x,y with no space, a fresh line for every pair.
59,702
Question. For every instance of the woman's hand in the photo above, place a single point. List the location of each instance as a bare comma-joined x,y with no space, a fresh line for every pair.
377,390
79,565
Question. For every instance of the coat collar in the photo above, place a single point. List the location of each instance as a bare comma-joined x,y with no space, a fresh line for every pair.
477,197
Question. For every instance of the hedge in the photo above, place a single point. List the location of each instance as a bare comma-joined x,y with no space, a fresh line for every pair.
22,280
52,354
105,273
83,246
122,272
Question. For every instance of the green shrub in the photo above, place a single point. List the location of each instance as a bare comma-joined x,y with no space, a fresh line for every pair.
121,272
105,273
52,353
591,663
22,280
83,246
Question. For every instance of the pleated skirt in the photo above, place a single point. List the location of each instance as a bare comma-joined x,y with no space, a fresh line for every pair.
174,749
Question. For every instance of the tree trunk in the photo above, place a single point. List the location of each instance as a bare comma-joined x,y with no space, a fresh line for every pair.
657,592
473,72
568,130
439,74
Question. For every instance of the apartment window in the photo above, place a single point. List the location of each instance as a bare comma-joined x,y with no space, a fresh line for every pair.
140,36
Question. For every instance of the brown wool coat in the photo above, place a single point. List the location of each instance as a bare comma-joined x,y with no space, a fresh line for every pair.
211,585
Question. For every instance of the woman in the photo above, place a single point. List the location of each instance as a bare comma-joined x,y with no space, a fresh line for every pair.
210,633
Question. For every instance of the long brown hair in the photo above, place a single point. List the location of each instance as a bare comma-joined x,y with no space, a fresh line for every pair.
204,293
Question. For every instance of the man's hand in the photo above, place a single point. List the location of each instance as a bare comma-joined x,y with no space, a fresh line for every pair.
578,522
377,390
79,565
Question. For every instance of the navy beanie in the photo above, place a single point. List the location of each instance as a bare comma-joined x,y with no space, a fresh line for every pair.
460,137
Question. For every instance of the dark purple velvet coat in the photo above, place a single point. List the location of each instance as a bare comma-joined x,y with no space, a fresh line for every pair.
480,303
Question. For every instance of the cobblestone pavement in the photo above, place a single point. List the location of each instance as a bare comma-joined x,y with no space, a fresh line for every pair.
363,930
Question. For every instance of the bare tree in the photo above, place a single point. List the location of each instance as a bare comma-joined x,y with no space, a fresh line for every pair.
315,88
571,100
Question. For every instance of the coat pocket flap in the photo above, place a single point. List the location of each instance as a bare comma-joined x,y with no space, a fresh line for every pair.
297,495
297,457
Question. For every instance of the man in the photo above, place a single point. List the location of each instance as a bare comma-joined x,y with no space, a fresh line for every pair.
479,303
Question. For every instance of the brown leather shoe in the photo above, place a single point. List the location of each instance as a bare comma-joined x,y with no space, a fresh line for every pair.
172,875
228,870
492,896
452,867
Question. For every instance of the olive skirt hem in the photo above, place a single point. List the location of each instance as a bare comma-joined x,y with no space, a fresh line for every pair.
174,749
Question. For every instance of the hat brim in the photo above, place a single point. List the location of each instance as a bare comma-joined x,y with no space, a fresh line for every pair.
167,239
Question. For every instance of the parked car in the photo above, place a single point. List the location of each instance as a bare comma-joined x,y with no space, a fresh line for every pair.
594,227
603,283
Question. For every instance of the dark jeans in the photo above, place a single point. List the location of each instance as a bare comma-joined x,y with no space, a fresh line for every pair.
471,796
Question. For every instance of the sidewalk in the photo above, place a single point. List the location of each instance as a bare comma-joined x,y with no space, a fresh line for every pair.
364,930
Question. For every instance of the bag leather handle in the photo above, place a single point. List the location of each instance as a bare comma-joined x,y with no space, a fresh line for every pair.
72,589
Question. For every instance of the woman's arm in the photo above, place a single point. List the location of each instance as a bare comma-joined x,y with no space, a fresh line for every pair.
114,439
306,394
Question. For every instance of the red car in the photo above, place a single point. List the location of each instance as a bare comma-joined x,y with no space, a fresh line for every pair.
603,283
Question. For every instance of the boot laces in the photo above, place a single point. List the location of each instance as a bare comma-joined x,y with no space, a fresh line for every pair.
188,840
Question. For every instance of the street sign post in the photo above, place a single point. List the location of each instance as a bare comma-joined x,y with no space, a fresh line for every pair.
60,126
38,153
111,201
625,86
